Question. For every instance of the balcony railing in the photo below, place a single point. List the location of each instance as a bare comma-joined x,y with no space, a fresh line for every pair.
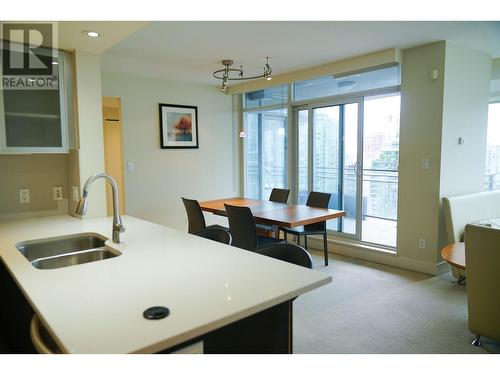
380,190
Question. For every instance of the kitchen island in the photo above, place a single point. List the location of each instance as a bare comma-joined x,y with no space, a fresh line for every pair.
214,292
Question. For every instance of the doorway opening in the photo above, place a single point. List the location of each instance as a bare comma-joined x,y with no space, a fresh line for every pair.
113,150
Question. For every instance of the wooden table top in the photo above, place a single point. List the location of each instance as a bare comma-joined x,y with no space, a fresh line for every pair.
455,254
273,213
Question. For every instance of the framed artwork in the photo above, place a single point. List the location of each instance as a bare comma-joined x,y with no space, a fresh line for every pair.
178,126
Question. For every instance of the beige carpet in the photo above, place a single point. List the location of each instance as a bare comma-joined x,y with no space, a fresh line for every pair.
373,308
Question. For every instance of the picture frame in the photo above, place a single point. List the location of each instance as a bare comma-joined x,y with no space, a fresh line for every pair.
178,126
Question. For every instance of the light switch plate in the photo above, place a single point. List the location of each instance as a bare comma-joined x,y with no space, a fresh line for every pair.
425,164
130,166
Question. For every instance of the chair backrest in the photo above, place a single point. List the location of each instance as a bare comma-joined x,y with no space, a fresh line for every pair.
482,259
216,234
287,252
196,220
464,209
319,200
242,227
279,195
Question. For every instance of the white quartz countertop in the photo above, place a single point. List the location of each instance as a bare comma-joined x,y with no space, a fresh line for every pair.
97,307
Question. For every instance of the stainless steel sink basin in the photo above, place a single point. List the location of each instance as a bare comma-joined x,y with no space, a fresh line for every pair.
48,247
74,259
65,251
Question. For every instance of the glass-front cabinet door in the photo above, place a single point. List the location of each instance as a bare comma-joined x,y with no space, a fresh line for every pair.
35,120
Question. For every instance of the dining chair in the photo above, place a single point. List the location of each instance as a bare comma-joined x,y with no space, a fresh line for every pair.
216,234
319,200
243,229
278,196
196,220
287,252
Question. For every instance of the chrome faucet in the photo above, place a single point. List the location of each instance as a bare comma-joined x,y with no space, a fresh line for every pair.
117,220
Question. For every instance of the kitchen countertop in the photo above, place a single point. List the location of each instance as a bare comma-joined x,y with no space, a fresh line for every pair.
97,307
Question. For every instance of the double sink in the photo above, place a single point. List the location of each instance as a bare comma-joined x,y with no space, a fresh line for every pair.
65,251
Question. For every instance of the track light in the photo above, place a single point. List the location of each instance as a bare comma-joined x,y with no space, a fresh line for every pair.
235,74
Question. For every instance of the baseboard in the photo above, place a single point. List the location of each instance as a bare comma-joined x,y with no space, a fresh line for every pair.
383,257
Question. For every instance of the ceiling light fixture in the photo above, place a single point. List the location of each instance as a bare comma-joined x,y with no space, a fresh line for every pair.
234,74
91,33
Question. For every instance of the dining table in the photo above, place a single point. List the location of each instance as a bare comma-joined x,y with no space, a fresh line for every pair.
274,213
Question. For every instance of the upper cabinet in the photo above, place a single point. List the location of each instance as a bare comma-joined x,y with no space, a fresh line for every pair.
37,120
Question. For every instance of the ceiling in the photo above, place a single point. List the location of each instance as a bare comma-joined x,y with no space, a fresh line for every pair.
71,35
191,51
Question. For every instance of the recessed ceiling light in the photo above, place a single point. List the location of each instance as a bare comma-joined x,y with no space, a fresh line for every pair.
91,33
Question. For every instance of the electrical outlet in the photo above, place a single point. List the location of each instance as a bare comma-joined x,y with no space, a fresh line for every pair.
421,243
425,164
57,191
24,196
76,193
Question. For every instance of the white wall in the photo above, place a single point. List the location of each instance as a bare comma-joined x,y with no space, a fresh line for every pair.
420,138
154,188
91,151
465,114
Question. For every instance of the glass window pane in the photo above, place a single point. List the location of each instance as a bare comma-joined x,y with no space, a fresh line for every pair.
265,152
380,169
303,180
326,155
330,85
270,96
492,180
252,156
350,167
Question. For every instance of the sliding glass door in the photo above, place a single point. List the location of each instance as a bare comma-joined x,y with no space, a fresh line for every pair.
351,150
327,156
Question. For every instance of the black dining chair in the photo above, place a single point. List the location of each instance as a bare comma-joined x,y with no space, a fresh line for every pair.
196,220
287,252
278,196
216,234
243,230
319,200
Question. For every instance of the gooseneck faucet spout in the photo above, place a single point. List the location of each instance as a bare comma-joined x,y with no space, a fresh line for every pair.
117,220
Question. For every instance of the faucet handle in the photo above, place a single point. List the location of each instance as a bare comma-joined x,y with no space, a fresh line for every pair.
119,227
